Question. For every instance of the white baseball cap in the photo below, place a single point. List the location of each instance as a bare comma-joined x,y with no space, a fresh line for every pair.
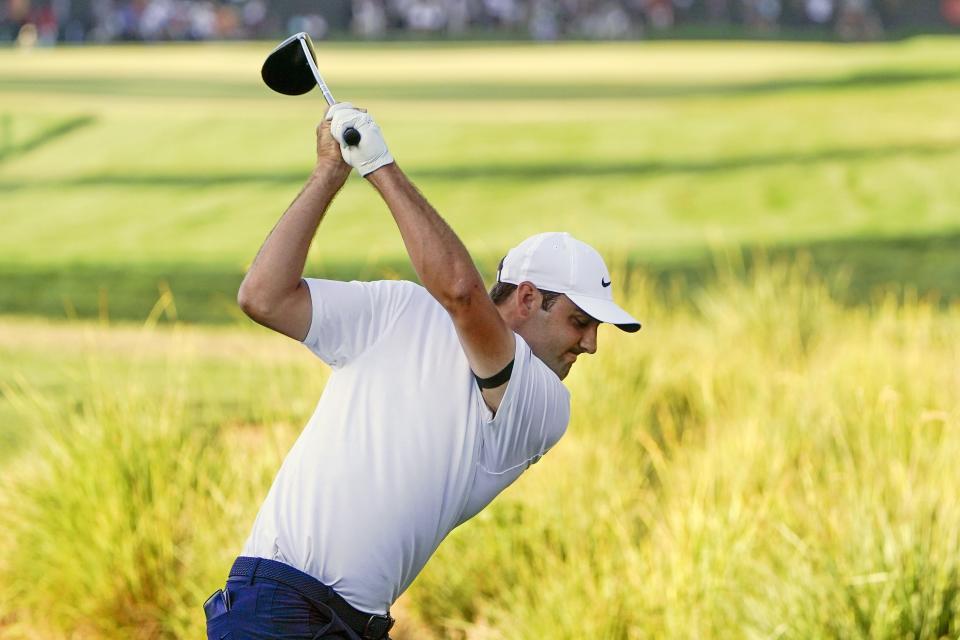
556,261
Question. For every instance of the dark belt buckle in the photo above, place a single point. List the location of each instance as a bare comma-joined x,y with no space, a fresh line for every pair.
377,627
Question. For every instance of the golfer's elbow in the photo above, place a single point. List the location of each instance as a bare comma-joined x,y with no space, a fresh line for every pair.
254,301
460,294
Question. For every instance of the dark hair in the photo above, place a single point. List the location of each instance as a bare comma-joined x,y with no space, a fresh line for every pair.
502,290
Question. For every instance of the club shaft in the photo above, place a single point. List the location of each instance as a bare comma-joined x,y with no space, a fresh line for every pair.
316,74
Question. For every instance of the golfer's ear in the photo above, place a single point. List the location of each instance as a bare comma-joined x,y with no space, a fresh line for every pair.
528,299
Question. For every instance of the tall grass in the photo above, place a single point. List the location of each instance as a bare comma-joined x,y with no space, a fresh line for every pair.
758,462
131,504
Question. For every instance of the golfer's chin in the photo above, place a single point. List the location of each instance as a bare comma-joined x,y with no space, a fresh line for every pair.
560,366
562,369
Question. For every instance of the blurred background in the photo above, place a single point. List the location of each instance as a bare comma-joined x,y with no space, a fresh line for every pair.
773,183
158,20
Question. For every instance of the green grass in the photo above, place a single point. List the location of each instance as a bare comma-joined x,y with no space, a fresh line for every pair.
158,434
761,461
126,166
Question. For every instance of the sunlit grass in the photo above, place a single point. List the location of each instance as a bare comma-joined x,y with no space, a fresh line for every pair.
124,169
134,488
762,463
639,145
759,461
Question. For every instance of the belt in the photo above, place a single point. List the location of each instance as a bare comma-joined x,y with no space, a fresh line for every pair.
369,626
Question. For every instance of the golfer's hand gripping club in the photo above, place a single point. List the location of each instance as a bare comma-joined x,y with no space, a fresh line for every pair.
350,137
370,151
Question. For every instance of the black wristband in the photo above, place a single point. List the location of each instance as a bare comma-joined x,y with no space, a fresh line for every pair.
495,380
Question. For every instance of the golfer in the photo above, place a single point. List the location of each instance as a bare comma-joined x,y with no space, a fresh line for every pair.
440,397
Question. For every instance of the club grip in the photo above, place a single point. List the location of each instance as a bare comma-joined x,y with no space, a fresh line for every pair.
351,136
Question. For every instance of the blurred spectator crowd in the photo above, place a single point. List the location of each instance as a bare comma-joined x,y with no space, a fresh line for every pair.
46,22
112,20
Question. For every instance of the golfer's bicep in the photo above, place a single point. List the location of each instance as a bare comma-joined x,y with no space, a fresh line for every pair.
489,345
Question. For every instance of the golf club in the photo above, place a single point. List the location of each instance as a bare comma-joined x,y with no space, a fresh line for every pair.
291,69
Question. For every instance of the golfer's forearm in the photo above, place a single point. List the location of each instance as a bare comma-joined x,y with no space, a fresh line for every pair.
441,261
278,267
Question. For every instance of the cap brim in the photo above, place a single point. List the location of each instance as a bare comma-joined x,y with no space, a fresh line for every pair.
606,311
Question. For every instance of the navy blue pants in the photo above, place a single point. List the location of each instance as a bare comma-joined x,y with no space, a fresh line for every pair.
261,609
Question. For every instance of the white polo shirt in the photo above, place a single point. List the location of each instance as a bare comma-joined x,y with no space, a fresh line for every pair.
401,447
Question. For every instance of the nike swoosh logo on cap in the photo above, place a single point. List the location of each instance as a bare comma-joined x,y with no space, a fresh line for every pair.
604,283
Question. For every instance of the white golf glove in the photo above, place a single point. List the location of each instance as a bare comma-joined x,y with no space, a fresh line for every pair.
372,152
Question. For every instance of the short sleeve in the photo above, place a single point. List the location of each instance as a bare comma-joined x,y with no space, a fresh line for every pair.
532,416
348,317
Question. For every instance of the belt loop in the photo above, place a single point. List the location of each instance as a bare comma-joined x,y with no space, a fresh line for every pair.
253,571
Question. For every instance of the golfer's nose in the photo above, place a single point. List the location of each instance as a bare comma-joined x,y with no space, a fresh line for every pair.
588,340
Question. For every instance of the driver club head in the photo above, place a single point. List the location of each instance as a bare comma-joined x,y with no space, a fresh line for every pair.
289,70
286,70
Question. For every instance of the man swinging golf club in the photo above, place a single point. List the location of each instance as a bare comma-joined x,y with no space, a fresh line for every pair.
440,397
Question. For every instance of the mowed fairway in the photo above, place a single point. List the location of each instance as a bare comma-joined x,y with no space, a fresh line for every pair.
773,456
127,167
